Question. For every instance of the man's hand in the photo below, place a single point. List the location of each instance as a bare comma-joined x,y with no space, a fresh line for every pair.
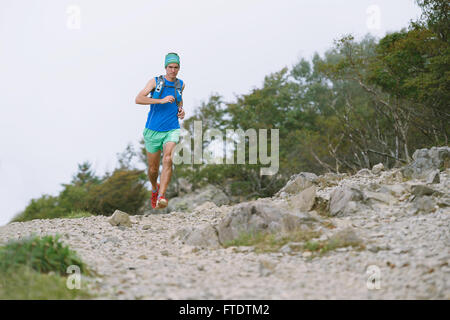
180,113
167,99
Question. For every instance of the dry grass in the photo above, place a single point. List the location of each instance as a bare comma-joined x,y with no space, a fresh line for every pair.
272,242
339,240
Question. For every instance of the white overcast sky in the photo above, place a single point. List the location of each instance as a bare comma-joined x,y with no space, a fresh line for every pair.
67,93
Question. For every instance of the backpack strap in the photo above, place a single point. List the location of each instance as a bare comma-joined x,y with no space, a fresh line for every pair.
160,84
178,92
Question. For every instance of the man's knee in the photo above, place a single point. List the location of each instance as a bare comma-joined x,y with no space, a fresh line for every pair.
153,161
153,170
167,160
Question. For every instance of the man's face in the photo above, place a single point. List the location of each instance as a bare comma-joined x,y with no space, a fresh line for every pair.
172,69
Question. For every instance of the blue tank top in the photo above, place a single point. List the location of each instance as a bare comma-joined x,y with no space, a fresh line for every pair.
163,117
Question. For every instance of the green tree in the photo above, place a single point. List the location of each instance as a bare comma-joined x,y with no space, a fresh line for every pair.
412,67
85,175
435,16
74,195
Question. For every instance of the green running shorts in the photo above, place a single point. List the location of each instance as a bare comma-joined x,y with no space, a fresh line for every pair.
154,140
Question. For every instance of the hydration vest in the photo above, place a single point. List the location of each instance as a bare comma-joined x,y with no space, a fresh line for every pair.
161,84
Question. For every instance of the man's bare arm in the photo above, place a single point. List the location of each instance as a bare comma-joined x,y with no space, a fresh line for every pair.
142,98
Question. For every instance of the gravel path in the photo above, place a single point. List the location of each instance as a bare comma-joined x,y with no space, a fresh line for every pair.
144,261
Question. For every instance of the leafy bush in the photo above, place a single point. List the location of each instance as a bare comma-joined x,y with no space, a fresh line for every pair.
124,190
78,214
44,255
73,198
42,208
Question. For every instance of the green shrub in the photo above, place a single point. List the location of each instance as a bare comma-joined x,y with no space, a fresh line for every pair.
73,198
78,214
46,207
44,255
123,190
312,246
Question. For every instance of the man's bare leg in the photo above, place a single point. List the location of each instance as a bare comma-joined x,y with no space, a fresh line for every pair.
153,167
166,174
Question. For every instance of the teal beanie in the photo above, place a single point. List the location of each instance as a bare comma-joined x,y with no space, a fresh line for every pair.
171,58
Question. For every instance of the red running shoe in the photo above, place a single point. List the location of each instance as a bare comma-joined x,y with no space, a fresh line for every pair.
155,196
161,202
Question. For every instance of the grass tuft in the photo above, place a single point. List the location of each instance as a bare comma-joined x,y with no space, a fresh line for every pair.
271,242
42,254
34,268
339,240
23,283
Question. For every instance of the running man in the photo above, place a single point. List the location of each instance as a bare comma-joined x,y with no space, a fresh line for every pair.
162,129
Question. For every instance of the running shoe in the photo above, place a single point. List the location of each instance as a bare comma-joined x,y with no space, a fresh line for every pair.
161,202
155,196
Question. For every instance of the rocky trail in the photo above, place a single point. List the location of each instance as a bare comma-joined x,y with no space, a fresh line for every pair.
399,216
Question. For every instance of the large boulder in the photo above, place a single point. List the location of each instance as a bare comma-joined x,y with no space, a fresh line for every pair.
421,190
433,177
120,218
425,204
202,236
425,161
304,201
298,183
183,186
189,201
396,190
346,237
330,179
376,169
375,198
258,217
344,200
